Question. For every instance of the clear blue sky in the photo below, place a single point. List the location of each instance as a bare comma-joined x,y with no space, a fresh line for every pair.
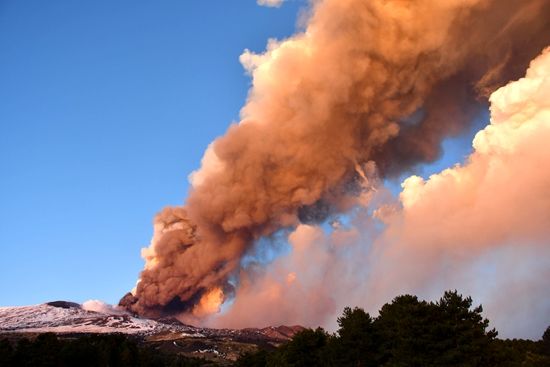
105,108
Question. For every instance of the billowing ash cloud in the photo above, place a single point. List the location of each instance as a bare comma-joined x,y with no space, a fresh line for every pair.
367,85
482,227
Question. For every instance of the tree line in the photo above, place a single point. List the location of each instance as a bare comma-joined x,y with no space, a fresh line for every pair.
105,350
407,332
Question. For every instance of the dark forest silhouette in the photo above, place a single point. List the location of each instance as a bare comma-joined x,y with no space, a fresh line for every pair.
408,332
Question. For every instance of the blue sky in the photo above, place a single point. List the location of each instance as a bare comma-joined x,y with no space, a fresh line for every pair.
105,109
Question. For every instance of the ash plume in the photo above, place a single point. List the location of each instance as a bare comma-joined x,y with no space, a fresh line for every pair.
367,84
482,227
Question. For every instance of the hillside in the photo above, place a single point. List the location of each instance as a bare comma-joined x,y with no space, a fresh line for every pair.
67,320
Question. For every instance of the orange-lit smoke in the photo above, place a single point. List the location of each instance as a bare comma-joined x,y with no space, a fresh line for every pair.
367,84
493,210
482,227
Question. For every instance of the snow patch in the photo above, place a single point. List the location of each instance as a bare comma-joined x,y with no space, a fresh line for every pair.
91,318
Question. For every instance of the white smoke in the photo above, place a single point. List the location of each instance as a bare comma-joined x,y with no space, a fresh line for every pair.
270,3
102,307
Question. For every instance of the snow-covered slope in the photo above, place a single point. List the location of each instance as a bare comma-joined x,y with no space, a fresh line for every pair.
66,317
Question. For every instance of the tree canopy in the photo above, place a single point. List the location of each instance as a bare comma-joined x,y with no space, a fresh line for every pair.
408,332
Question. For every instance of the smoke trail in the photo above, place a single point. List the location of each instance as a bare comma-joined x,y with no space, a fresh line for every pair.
378,81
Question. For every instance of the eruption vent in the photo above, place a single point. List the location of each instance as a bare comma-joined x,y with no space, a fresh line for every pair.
368,85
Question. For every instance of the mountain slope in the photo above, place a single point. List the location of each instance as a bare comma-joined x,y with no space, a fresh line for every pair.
69,317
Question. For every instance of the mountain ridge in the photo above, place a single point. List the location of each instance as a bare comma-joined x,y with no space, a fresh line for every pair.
71,317
69,320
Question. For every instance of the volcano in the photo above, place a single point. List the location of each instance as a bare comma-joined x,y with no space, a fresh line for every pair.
70,319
